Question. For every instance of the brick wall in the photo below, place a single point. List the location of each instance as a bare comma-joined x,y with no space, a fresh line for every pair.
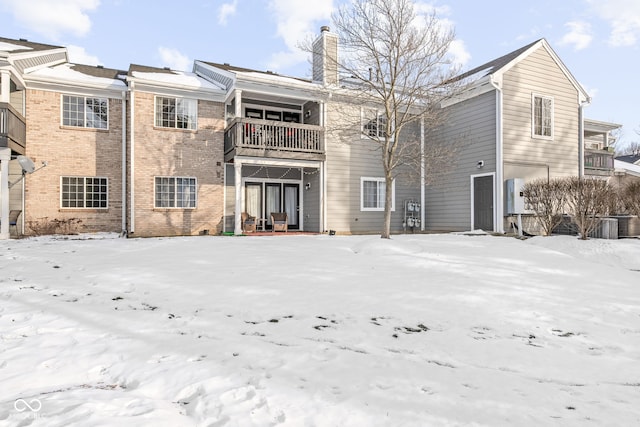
183,153
71,152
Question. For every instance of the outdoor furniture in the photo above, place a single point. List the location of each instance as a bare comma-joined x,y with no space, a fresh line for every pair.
13,221
279,221
248,222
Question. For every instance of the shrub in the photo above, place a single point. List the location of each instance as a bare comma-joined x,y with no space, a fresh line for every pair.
45,226
546,198
630,195
587,201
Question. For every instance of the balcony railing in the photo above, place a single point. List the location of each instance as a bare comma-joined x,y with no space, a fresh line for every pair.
13,129
274,139
598,162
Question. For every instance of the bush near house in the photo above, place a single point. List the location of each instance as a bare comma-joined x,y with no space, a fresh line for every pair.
547,199
45,226
588,200
630,195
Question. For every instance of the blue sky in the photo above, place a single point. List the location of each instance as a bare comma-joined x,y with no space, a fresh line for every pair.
598,40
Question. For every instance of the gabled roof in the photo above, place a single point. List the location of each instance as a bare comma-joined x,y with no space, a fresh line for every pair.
99,71
497,64
236,70
492,71
631,158
167,81
26,46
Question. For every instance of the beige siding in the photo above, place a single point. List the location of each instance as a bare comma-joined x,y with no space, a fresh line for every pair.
71,152
180,153
350,158
528,157
471,129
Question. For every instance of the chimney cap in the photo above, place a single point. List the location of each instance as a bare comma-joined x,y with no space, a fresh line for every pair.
324,28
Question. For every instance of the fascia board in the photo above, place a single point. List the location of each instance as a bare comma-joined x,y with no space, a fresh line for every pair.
177,90
268,88
74,87
584,96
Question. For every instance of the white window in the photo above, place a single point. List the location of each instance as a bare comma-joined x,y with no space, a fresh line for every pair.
542,116
85,112
175,192
176,113
374,123
84,192
372,194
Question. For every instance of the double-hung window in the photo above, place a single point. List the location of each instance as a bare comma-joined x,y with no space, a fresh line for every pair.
175,192
85,112
374,123
176,113
542,116
84,192
372,194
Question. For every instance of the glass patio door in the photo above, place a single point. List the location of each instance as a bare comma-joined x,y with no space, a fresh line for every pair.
291,206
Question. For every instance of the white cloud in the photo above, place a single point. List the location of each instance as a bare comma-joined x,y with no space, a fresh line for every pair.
296,21
53,18
459,53
174,59
579,35
624,18
78,55
226,10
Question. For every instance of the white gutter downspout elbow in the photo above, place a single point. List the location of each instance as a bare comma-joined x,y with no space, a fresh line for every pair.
499,187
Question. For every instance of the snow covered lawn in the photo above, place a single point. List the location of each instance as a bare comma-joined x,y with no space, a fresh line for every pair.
419,330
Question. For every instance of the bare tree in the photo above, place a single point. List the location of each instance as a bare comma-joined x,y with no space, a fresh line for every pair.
547,199
397,66
588,200
630,195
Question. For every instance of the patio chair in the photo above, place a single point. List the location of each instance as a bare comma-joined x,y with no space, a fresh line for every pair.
279,221
248,222
13,221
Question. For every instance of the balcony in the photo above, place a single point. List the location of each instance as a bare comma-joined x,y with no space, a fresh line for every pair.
13,129
273,139
598,162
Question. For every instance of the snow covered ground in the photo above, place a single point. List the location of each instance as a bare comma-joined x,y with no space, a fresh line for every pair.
419,330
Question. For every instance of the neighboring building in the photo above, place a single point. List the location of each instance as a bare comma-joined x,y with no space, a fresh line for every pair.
152,151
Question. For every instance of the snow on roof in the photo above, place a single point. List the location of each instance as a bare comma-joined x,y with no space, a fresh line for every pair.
177,78
276,78
66,72
627,167
8,47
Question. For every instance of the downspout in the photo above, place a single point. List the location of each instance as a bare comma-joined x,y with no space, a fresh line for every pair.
499,186
422,176
124,163
581,136
323,171
132,158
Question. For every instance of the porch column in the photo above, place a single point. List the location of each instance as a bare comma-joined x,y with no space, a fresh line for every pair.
238,111
5,156
237,167
5,85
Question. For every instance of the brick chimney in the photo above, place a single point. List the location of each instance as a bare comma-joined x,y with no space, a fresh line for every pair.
325,58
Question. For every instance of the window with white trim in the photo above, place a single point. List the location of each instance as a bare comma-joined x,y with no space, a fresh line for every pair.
85,112
374,123
84,192
176,113
372,194
542,116
175,192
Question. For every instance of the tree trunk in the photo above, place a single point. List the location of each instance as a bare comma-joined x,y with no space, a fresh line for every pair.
388,193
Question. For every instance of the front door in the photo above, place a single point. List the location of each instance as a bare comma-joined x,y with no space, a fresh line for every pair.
483,202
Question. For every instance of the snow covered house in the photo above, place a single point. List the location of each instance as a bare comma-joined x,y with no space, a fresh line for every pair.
522,118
